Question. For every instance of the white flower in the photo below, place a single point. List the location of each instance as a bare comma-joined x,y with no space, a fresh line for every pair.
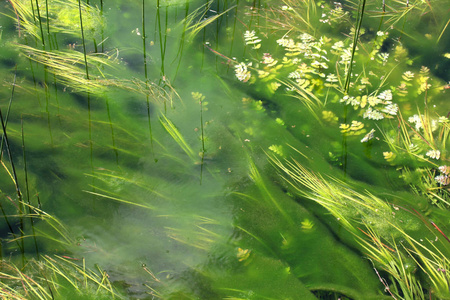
350,100
286,42
434,125
251,38
408,75
268,60
442,179
373,100
294,75
306,38
331,78
391,109
242,73
368,136
373,114
445,169
346,56
443,119
317,64
380,33
338,46
386,95
384,57
416,120
435,154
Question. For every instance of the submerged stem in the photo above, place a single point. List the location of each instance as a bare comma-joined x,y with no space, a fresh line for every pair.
355,42
82,38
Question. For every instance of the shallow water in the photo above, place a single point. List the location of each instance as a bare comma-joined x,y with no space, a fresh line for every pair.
197,212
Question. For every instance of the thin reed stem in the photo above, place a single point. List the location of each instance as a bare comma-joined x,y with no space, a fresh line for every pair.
102,33
355,42
19,195
144,46
88,95
82,38
144,41
48,20
40,23
8,150
9,109
203,140
28,190
32,10
201,127
182,40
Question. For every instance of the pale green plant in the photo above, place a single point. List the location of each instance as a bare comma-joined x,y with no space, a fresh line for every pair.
422,139
69,67
64,18
401,269
403,260
344,203
201,234
322,70
55,277
178,137
196,20
389,244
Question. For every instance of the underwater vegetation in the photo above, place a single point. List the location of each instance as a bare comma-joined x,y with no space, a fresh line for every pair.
225,149
377,85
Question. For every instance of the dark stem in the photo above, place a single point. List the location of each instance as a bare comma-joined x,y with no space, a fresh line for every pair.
355,42
82,38
28,190
40,23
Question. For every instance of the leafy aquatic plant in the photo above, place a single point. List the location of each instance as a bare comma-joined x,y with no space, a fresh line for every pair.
55,277
391,248
376,82
362,74
62,18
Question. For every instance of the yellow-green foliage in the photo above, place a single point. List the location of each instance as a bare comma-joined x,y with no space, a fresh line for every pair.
64,17
55,277
314,66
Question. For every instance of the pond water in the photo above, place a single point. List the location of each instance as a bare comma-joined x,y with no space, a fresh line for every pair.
175,149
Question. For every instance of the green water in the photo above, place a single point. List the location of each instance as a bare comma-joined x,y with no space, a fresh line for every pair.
199,212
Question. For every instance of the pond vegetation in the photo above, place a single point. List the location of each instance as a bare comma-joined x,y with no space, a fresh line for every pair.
220,149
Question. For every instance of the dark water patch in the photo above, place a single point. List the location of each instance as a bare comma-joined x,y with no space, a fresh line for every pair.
134,62
329,295
137,107
8,62
199,285
90,101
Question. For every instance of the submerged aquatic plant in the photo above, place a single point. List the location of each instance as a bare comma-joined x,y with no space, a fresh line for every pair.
196,21
323,68
389,245
55,277
311,62
422,140
376,84
64,15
